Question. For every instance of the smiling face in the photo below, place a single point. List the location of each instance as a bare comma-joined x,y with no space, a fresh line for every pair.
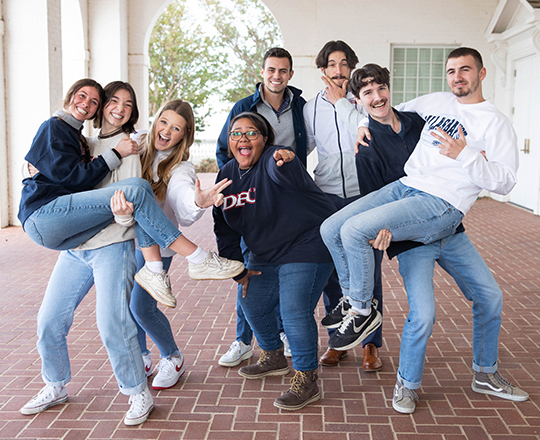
337,68
375,98
276,74
170,129
246,152
117,112
84,103
464,78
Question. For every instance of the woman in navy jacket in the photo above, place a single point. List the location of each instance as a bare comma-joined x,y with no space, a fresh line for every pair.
276,207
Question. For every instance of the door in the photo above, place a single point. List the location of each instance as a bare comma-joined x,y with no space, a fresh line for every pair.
526,122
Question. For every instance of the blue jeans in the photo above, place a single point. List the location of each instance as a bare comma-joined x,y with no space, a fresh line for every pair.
149,319
243,330
111,268
296,287
332,291
70,220
408,213
457,256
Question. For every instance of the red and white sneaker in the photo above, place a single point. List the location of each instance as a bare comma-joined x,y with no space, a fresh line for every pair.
170,370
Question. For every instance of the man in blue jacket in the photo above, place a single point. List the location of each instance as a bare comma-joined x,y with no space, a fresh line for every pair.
282,105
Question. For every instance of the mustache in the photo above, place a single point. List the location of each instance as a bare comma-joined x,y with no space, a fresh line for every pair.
339,77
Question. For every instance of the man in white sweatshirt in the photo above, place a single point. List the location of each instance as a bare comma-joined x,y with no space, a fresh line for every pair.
467,145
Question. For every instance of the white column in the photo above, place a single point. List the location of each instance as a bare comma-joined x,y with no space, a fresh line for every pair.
33,79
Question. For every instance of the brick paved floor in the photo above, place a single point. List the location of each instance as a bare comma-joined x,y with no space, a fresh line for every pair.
212,402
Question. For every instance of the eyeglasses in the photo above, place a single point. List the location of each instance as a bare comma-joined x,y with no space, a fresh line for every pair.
250,135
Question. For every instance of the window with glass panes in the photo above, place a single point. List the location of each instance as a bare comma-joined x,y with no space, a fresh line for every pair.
417,71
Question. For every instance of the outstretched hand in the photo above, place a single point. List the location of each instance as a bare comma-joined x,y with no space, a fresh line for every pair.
119,204
449,146
245,280
283,156
334,92
382,241
210,196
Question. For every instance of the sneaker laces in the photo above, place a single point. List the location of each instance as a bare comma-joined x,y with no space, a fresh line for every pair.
235,346
215,260
138,403
407,392
349,317
339,304
165,365
501,380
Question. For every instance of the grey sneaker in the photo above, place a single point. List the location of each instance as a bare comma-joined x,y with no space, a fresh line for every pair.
496,385
404,400
237,353
157,285
47,397
286,346
142,405
215,267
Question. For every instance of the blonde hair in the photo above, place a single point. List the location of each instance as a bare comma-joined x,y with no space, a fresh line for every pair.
179,153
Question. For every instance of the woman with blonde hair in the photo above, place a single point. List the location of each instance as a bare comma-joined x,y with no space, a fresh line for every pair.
177,191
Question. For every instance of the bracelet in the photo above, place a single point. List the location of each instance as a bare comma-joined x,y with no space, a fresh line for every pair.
117,153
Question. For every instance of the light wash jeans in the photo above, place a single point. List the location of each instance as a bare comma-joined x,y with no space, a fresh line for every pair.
457,256
296,287
408,213
149,319
70,220
111,268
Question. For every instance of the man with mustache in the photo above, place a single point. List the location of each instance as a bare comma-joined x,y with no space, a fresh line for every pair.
336,175
383,157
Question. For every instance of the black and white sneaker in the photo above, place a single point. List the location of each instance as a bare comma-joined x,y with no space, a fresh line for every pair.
336,316
354,329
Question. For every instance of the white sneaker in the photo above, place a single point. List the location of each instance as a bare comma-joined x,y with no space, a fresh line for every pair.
157,285
286,346
147,364
142,405
47,397
237,353
170,370
215,267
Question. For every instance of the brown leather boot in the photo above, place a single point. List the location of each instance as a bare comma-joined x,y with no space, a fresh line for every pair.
303,391
372,361
270,363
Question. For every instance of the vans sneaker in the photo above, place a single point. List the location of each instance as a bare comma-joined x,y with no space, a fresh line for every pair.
354,329
142,405
47,397
404,399
237,353
170,370
215,267
496,385
147,364
157,285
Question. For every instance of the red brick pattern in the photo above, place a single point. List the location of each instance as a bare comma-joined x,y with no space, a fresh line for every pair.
212,402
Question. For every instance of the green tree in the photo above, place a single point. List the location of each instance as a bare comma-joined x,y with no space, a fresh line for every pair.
248,30
183,62
194,56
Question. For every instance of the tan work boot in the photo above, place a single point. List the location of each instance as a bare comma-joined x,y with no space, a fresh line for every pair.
303,391
270,363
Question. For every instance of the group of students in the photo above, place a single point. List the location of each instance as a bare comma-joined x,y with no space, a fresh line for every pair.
267,210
